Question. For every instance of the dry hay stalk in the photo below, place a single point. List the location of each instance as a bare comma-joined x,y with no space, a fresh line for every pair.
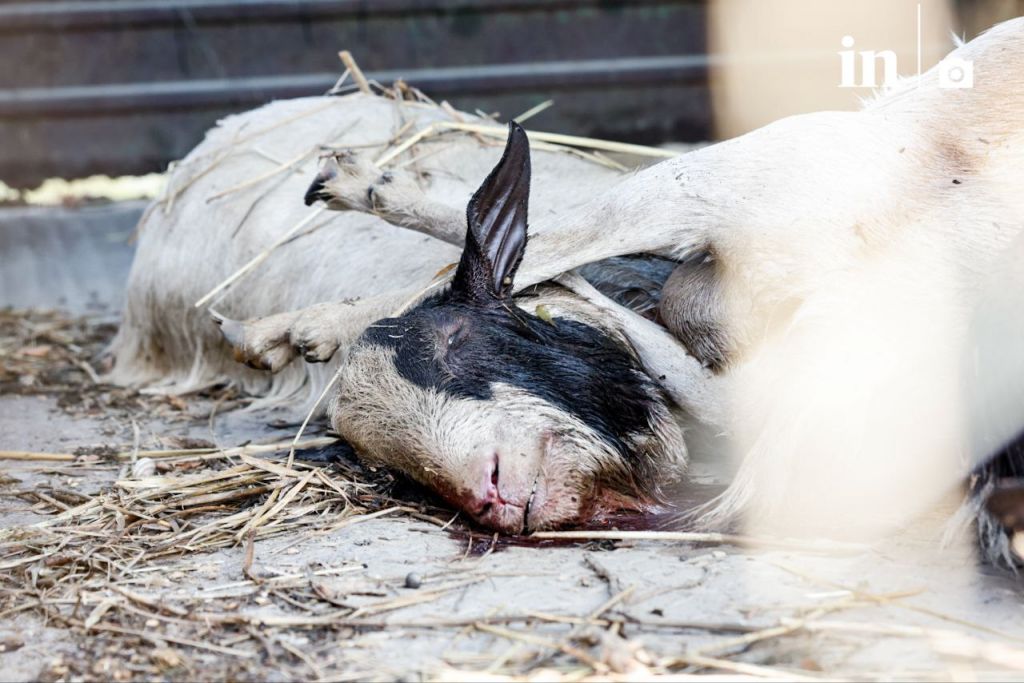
585,148
173,453
114,540
260,257
816,545
161,516
353,68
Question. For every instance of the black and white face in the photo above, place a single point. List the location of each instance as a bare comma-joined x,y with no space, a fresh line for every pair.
521,422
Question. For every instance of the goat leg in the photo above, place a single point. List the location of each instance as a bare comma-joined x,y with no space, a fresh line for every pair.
314,333
695,388
349,181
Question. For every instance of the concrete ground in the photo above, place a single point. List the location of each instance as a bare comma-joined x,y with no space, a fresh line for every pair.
395,594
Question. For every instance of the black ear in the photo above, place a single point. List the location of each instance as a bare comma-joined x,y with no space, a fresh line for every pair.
496,238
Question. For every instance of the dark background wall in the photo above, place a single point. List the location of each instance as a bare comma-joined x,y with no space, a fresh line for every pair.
125,86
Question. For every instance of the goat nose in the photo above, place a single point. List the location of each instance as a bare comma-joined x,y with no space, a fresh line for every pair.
317,189
484,494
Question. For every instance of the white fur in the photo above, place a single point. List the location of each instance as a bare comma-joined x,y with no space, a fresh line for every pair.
853,248
191,240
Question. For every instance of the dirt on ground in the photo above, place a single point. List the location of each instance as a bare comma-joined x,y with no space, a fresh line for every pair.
174,537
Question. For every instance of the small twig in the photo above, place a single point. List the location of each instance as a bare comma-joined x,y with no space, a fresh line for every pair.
945,641
558,138
318,673
149,602
452,111
577,631
421,157
309,415
533,111
287,165
136,441
250,556
739,668
259,258
710,626
611,602
338,83
697,537
37,457
97,613
895,599
287,498
171,194
614,585
409,142
783,628
285,121
357,73
543,642
408,601
47,499
156,640
88,370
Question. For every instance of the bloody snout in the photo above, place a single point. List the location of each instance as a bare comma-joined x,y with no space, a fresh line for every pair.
493,498
483,492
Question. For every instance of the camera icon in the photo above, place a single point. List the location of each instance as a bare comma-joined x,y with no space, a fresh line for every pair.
956,73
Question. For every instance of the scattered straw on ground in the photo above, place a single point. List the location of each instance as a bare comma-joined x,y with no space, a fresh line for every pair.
45,352
122,570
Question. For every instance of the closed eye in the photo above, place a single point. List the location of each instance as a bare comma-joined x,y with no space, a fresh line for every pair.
456,338
453,340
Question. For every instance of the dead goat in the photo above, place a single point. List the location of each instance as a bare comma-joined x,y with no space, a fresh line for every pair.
831,267
522,421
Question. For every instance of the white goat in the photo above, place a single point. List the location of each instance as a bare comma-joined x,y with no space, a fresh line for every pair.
849,252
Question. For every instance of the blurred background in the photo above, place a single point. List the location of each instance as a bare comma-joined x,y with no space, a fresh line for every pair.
125,86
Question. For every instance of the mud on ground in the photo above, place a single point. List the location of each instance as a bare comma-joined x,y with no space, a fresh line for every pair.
155,537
